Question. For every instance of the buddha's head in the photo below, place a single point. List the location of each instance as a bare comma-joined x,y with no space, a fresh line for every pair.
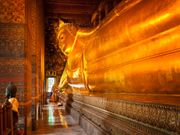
66,37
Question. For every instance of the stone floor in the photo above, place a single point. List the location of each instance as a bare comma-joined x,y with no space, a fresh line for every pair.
55,121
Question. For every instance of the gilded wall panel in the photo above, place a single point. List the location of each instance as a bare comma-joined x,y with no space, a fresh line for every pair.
12,11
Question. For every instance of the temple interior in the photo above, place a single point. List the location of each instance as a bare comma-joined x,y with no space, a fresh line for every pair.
90,67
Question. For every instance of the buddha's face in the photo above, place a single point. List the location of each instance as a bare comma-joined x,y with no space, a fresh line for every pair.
66,40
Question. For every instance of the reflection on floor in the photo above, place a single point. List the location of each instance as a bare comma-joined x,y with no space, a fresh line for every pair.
56,122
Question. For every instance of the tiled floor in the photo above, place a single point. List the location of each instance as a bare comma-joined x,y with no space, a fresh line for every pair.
56,122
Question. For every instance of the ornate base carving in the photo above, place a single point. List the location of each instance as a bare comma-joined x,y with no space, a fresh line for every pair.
114,117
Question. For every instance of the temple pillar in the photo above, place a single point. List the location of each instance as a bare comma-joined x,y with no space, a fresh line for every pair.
19,61
35,26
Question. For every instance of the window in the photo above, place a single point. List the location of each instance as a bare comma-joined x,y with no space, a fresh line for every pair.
50,83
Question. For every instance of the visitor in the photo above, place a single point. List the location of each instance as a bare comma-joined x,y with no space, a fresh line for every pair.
11,97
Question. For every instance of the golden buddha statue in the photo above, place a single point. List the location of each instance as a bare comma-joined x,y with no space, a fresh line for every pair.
134,50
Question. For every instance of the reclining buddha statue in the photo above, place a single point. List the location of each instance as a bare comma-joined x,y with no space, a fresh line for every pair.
135,49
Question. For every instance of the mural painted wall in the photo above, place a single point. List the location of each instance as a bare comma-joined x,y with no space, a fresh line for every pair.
55,59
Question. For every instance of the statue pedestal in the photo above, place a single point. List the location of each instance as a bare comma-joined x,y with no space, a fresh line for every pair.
102,115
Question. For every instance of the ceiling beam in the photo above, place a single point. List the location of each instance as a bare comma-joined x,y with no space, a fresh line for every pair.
60,8
72,4
68,16
84,2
